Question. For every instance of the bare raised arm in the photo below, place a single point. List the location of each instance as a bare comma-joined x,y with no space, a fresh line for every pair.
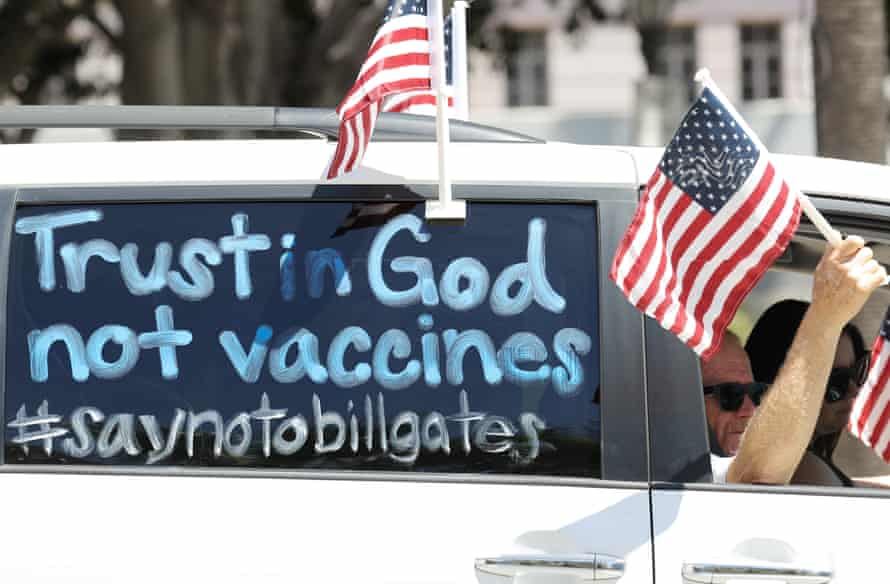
778,434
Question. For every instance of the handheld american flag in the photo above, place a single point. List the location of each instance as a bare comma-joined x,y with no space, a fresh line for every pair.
713,217
423,101
398,61
870,418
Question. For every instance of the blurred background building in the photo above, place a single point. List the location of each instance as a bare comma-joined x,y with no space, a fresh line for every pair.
589,86
808,75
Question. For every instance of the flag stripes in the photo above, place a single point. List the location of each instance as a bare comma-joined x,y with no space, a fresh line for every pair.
870,417
400,53
392,75
415,102
397,62
690,269
353,137
423,102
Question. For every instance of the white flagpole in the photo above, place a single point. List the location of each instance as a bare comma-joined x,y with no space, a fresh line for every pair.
703,76
445,207
459,59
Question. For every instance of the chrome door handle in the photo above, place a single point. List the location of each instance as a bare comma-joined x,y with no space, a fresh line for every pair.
713,573
587,567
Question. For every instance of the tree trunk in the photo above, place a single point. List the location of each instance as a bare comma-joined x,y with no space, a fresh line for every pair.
152,52
229,51
201,28
850,64
651,44
333,53
260,60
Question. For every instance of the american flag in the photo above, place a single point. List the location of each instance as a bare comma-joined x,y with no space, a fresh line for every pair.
423,101
713,217
870,418
398,61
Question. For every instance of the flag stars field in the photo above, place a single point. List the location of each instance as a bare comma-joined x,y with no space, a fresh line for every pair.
698,162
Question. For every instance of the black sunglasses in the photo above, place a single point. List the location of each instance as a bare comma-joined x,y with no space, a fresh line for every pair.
731,396
841,379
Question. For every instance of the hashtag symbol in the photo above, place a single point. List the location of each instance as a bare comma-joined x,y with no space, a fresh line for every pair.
43,422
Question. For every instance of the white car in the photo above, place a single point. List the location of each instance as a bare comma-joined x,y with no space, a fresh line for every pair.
221,367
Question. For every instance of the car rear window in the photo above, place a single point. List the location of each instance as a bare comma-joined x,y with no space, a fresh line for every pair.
313,335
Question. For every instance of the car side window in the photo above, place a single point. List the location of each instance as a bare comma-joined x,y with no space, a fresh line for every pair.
313,335
763,333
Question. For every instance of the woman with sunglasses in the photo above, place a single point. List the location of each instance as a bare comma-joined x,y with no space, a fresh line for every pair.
769,343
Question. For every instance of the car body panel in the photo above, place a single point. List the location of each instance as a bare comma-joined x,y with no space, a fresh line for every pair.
833,533
97,524
262,162
145,529
341,526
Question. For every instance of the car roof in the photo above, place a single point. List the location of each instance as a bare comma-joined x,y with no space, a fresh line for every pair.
282,161
279,161
402,152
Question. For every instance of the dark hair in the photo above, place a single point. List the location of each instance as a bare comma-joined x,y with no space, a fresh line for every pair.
768,345
771,338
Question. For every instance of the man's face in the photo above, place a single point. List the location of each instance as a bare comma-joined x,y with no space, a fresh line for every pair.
730,364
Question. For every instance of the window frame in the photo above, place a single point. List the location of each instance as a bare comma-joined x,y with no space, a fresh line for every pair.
524,60
679,51
678,427
764,51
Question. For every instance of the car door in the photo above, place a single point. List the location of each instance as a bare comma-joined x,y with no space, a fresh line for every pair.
742,533
312,384
722,533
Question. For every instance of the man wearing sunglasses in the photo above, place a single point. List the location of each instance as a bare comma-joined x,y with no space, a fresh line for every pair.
731,395
760,436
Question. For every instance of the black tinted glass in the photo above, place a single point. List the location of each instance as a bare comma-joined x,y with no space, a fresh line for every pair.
304,335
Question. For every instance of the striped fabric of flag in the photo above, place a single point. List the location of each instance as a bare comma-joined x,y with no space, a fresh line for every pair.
713,218
423,101
398,61
870,417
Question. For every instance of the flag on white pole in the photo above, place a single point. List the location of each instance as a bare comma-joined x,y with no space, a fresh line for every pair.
398,61
714,216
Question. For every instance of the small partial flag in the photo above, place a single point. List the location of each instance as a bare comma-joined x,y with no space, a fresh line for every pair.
398,61
423,102
870,417
713,218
